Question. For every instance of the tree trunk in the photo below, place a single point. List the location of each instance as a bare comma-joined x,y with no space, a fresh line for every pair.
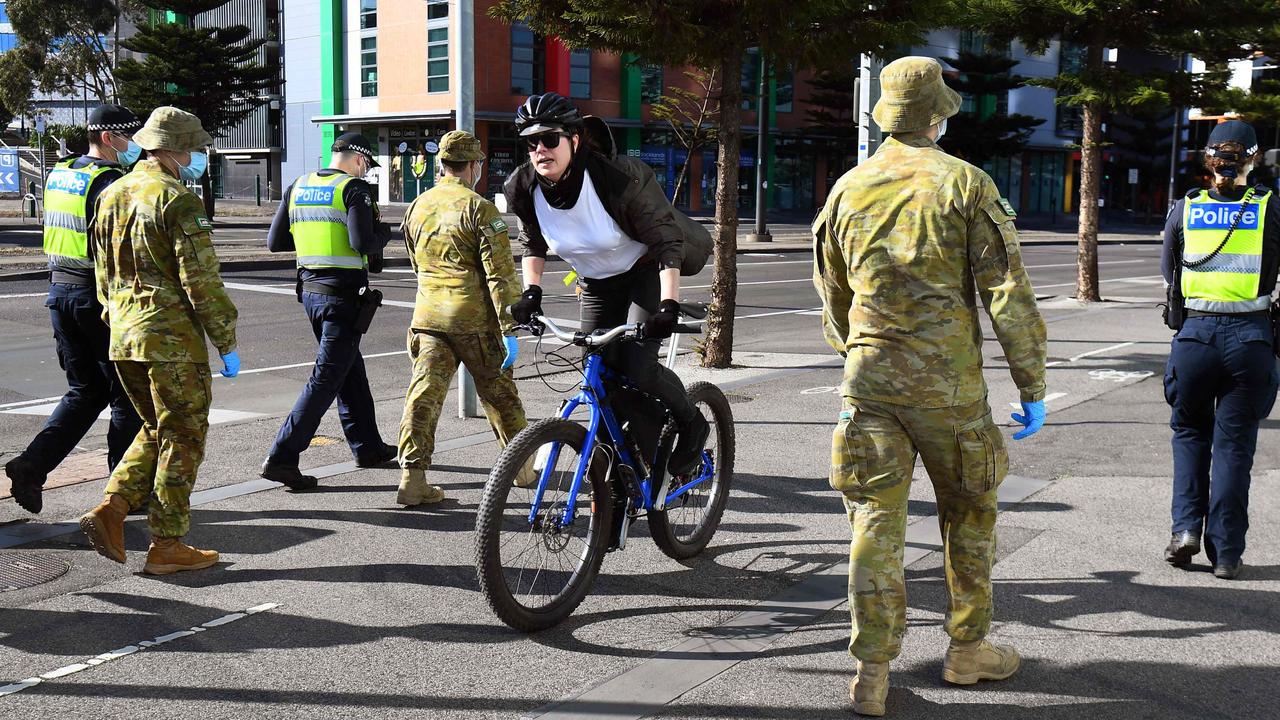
684,172
717,346
1090,190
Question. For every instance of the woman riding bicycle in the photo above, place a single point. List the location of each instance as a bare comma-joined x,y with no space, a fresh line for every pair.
617,231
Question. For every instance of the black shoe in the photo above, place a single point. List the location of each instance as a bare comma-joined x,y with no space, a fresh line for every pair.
291,477
688,450
385,459
1228,572
1182,547
27,484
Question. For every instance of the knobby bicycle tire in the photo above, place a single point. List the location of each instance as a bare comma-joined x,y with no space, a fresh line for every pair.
489,518
660,524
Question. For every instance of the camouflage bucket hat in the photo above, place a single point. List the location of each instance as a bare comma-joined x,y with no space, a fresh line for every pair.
460,146
913,96
169,128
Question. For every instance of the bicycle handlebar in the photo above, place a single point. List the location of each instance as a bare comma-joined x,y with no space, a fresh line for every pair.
538,323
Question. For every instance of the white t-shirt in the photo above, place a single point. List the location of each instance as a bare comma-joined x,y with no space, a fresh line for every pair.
585,236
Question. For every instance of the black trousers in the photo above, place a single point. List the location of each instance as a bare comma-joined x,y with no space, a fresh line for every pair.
630,298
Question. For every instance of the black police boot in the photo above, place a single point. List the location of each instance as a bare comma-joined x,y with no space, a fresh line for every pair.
290,477
27,484
1228,571
1182,547
688,450
385,459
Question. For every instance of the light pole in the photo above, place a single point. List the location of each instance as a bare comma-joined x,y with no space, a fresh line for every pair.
762,128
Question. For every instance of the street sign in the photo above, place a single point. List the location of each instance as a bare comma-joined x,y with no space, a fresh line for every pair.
9,171
1133,176
431,146
39,124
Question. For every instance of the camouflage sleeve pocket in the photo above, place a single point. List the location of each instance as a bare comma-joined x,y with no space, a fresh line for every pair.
1002,216
984,461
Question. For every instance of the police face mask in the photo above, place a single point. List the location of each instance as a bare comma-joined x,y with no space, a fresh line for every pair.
129,155
194,168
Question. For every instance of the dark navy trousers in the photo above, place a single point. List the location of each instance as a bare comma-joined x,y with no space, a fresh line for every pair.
82,340
1221,382
338,373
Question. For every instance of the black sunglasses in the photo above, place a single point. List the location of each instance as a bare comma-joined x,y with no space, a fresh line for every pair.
548,140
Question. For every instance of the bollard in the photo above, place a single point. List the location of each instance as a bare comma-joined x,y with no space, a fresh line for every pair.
257,190
467,402
29,205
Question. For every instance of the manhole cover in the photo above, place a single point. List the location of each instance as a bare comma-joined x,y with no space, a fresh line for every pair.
24,571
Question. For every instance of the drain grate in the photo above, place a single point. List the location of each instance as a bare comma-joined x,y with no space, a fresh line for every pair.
24,571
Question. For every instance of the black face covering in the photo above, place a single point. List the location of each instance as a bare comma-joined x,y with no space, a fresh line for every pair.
563,194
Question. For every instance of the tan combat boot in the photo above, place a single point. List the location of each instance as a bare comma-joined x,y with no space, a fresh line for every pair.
527,477
967,663
170,555
869,688
104,526
414,489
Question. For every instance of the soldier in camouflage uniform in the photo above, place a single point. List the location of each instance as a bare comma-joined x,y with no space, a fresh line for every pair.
157,277
458,246
900,247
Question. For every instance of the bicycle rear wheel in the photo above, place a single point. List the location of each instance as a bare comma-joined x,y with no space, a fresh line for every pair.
535,574
686,525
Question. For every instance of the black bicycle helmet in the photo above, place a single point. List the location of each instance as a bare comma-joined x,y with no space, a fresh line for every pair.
549,111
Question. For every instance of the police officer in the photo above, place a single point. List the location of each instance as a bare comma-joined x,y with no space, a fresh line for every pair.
902,243
79,330
458,246
157,275
1221,375
330,219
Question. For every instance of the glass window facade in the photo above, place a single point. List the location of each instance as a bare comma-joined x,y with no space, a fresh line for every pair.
580,74
8,41
438,58
750,79
1069,120
368,14
785,91
650,83
368,67
528,61
437,9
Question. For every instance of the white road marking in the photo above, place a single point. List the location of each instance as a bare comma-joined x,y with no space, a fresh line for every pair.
1091,353
290,292
217,416
24,295
754,282
1137,279
111,655
309,363
1120,376
1071,264
1047,398
37,401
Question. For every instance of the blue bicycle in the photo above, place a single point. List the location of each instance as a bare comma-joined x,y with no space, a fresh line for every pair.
560,495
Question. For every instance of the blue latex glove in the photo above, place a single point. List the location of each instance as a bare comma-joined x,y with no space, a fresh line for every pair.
513,349
231,364
1032,419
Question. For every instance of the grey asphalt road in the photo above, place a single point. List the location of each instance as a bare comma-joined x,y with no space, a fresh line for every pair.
363,609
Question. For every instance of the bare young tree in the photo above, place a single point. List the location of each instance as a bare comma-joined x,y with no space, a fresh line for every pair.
693,115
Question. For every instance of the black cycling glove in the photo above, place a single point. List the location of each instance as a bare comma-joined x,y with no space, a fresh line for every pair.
662,324
529,304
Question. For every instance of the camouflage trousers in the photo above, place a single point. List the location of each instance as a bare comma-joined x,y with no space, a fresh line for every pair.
873,453
173,400
435,358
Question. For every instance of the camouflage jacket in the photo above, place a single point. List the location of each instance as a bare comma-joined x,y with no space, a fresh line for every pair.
899,249
157,273
458,246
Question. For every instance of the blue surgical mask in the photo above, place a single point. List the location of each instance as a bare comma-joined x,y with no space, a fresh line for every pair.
192,171
129,155
942,130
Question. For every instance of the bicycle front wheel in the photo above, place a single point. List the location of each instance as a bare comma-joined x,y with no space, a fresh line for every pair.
534,568
686,525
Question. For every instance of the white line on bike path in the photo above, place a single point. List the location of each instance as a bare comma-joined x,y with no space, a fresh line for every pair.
644,690
18,535
127,650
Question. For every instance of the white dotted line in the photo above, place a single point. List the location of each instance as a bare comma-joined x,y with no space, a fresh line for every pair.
131,649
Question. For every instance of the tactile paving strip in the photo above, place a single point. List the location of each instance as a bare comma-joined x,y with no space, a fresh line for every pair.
24,571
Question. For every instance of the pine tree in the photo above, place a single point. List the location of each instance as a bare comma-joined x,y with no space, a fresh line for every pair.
715,35
986,133
1171,29
212,73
